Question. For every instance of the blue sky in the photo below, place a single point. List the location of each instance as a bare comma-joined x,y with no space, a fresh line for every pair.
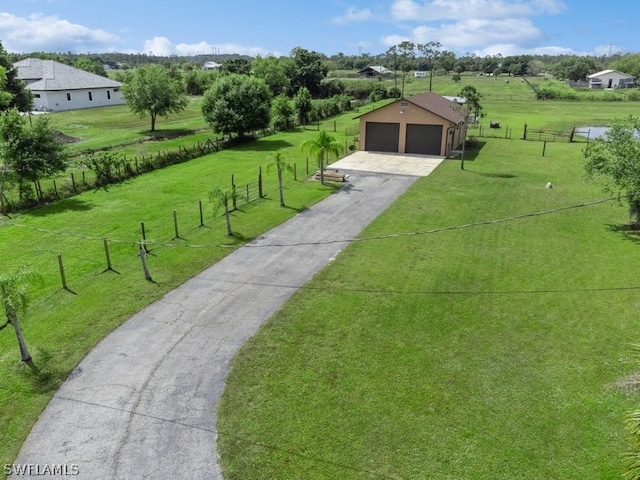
262,27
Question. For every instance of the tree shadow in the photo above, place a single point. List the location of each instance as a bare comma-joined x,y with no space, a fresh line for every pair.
496,175
42,373
628,231
472,150
261,145
67,204
169,134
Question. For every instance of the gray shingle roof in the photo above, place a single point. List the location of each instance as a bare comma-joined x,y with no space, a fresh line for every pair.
439,105
48,75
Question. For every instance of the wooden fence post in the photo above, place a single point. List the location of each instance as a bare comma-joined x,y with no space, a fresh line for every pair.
106,252
260,192
233,193
175,224
73,183
144,236
201,216
143,258
62,275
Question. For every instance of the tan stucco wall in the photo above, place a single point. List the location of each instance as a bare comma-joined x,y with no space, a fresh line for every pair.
393,113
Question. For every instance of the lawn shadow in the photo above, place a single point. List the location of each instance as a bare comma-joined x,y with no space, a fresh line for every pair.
496,175
473,149
43,375
159,135
68,204
629,231
263,144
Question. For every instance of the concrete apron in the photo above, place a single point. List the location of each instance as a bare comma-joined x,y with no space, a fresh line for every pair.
142,404
399,164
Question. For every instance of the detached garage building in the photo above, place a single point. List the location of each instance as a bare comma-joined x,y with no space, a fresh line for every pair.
426,124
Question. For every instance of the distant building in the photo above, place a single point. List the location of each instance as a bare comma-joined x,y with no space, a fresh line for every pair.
56,86
419,74
211,66
374,71
610,79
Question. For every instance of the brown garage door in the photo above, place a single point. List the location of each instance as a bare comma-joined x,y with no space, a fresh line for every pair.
382,137
423,139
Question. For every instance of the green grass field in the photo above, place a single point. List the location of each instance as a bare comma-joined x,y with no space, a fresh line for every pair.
490,349
485,352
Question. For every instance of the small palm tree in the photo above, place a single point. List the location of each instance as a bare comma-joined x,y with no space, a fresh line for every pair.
220,199
322,146
280,165
13,288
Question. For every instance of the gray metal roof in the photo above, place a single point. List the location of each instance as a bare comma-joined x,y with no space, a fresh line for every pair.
48,75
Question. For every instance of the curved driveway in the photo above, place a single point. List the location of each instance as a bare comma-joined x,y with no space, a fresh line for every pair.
142,404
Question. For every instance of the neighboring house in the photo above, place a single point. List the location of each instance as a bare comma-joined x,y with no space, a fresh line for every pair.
374,71
420,74
56,86
211,66
426,124
610,79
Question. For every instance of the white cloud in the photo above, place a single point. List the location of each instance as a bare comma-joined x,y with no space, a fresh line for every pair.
432,10
391,40
162,46
480,33
353,15
50,33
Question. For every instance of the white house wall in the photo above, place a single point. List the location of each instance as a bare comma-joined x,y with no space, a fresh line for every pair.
617,81
55,101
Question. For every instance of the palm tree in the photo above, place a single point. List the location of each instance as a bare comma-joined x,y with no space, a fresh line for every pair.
220,199
280,165
13,288
322,146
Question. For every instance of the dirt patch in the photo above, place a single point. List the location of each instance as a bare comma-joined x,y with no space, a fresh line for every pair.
62,138
629,384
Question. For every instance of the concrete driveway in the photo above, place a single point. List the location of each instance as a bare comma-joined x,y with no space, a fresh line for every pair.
142,404
399,164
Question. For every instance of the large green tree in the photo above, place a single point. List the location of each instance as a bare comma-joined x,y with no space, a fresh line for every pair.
308,70
431,52
472,100
29,150
21,96
614,159
273,71
303,104
150,91
237,104
573,68
628,63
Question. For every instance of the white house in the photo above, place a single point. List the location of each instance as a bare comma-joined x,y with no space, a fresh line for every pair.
56,86
211,66
610,79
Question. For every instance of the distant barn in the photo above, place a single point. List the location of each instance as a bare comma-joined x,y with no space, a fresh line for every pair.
610,79
374,71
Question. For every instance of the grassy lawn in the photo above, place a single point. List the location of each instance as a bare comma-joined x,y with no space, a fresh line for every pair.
61,326
416,352
484,352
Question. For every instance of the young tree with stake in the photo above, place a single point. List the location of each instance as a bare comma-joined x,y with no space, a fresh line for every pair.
13,288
